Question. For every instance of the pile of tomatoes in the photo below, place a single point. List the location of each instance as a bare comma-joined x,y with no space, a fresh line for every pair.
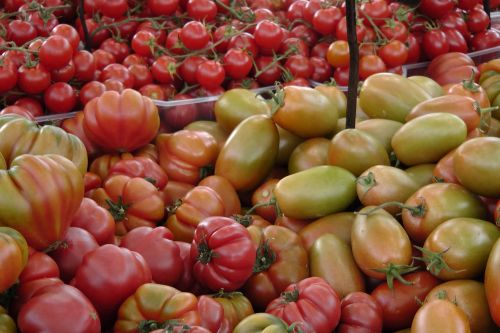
272,216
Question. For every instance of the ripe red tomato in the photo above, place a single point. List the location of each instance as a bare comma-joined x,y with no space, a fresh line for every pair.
486,39
117,48
164,68
33,80
244,41
341,32
43,25
162,7
394,53
112,8
55,52
360,311
268,35
477,20
223,253
436,8
371,64
8,75
299,66
194,35
188,68
102,59
142,75
269,71
91,90
237,63
202,10
435,43
60,97
325,20
30,104
20,32
68,32
210,74
64,74
322,71
117,72
142,41
97,220
456,40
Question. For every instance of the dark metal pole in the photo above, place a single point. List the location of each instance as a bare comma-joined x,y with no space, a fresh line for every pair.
487,9
81,15
352,40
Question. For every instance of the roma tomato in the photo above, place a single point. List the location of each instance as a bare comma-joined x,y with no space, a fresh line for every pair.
434,204
223,253
96,278
187,155
159,250
339,224
281,260
491,282
199,203
133,202
309,153
360,311
52,178
304,301
14,256
141,167
121,122
440,315
35,317
471,89
96,220
400,303
247,157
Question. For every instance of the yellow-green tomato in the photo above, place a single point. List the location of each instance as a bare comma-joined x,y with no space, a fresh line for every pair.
477,165
306,112
288,142
429,85
249,153
261,323
390,96
377,240
336,96
492,282
315,192
382,183
381,129
356,151
464,244
310,153
428,138
331,258
212,128
422,173
237,104
338,224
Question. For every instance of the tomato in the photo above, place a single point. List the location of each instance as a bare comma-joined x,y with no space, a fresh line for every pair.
103,58
360,311
281,260
20,32
456,40
185,155
267,70
64,74
96,220
69,32
472,168
259,322
435,42
134,115
334,191
219,243
341,32
246,159
436,8
55,52
440,315
477,20
469,296
226,192
14,254
92,25
468,256
76,244
162,7
400,303
395,53
325,20
14,109
30,104
210,74
196,205
8,76
133,202
85,65
302,301
443,133
114,8
194,35
7,324
142,167
436,203
60,97
491,282
33,80
82,317
338,54
96,278
327,267
268,35
117,72
118,49
236,306
101,165
91,181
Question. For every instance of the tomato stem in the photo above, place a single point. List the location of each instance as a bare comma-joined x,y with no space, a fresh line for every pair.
393,271
418,210
367,182
484,116
434,261
118,209
205,254
290,296
469,84
173,207
265,258
60,244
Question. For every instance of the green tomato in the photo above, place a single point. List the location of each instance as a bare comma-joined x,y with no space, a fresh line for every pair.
381,129
310,153
429,85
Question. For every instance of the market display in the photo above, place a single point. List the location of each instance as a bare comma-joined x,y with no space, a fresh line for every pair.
185,166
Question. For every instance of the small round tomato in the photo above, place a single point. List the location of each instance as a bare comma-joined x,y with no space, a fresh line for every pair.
194,35
60,97
369,65
33,80
210,74
55,52
395,53
268,35
237,63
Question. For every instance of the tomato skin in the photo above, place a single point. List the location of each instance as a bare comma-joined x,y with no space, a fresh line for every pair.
469,296
55,52
17,110
400,304
199,203
290,264
303,300
133,202
8,76
60,97
101,165
34,317
142,167
435,43
14,256
359,312
442,202
246,159
491,283
442,315
7,324
220,243
135,115
78,242
236,306
261,321
33,80
96,220
226,192
96,278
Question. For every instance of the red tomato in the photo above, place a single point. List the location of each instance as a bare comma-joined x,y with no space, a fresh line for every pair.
360,312
237,63
20,32
194,35
85,65
223,253
14,109
60,97
30,104
371,64
142,43
112,8
477,20
311,301
8,76
436,8
159,250
102,59
162,7
163,69
117,48
55,52
268,35
96,220
322,70
97,278
486,39
117,72
188,68
91,90
37,315
299,66
68,32
33,80
210,74
268,70
325,20
395,53
202,10
435,43
43,25
142,167
64,74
